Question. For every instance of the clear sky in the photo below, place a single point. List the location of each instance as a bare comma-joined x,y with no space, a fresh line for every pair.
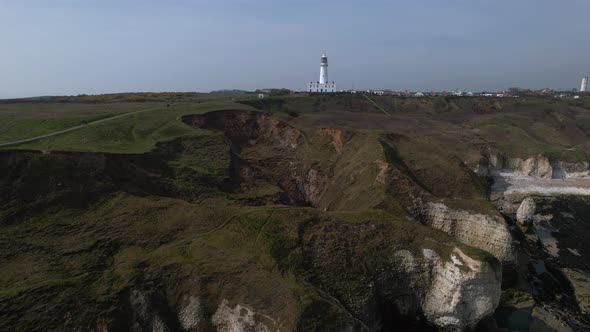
63,47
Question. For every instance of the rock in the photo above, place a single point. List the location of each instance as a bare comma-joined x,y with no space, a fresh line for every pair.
513,163
452,288
191,315
463,292
487,232
538,166
238,318
335,135
581,284
564,170
526,211
144,315
543,320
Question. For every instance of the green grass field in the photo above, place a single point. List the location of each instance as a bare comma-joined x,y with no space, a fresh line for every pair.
24,120
133,134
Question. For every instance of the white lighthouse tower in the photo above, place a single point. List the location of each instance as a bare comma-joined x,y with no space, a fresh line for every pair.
324,69
323,85
584,87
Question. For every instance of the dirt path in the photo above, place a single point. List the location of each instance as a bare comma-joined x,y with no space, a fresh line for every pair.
36,138
376,105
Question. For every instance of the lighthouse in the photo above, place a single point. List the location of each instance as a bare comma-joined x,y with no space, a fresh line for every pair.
584,87
324,69
322,85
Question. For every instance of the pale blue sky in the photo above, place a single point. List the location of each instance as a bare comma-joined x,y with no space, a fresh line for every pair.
58,47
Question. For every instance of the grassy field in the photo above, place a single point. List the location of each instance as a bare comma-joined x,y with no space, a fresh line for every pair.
25,120
133,134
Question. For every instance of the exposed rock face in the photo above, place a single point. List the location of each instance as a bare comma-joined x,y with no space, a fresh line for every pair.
315,169
562,169
248,128
335,135
463,291
538,166
144,316
483,231
552,247
580,282
440,282
239,318
191,315
526,211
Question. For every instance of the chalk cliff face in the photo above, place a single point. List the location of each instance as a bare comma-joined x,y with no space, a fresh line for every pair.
484,231
538,166
240,318
438,283
449,288
563,169
461,291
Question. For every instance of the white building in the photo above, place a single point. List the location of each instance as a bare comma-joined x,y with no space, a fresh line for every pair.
322,85
584,87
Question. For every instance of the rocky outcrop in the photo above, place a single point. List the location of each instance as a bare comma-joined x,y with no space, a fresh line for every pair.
431,278
310,168
538,166
526,211
579,282
335,135
240,318
191,314
564,170
453,293
458,292
248,128
484,231
144,315
463,291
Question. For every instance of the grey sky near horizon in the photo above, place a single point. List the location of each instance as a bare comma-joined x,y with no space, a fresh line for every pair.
68,47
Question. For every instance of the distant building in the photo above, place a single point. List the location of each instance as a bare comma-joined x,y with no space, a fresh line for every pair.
322,85
261,96
584,87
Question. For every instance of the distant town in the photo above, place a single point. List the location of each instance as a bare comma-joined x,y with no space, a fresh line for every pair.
509,93
323,85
